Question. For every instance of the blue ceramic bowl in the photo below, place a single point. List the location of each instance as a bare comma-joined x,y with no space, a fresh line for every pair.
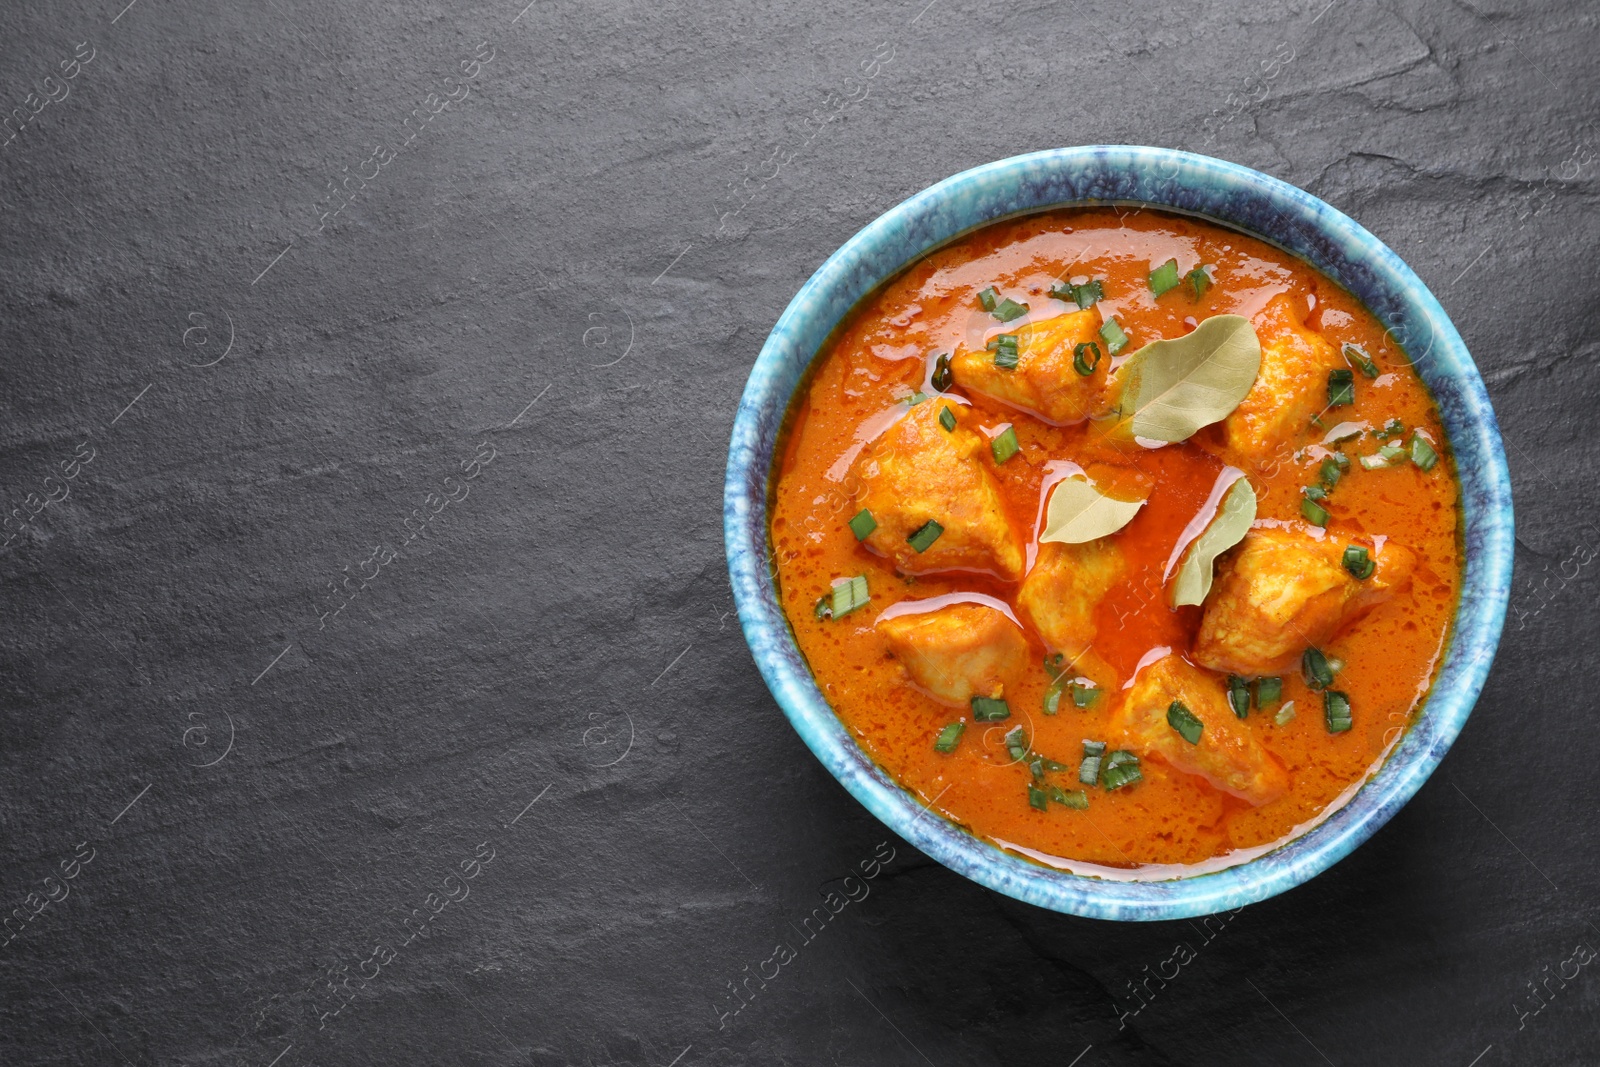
1233,195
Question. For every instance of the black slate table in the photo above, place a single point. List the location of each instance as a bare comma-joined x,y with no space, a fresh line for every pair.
372,692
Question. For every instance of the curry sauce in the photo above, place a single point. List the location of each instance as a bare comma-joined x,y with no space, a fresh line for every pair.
879,380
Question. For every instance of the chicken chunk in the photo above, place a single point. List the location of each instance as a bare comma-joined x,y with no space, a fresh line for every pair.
1227,754
1066,584
1291,387
1281,592
918,472
1044,381
958,651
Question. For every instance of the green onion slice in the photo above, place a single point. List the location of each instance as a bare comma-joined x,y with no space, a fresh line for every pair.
925,535
1082,365
1114,336
1239,696
1036,768
950,737
1315,669
823,609
1052,700
1089,769
1357,356
1314,513
1330,472
990,709
1336,711
1005,446
1358,561
1181,719
1315,492
947,419
1164,277
1004,347
863,524
849,594
1199,281
1268,691
1120,768
1084,695
1038,797
1078,800
942,379
1285,714
1009,309
988,298
916,398
1016,743
1341,387
1422,453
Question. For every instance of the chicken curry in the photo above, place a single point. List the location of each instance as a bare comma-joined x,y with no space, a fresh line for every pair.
1124,540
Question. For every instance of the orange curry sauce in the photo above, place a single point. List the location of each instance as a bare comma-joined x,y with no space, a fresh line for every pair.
885,352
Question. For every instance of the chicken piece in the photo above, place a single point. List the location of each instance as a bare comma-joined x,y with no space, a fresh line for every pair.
1291,387
958,651
918,472
1066,584
1281,592
1044,382
1227,754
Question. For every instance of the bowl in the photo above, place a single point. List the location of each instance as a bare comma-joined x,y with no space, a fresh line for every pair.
1234,196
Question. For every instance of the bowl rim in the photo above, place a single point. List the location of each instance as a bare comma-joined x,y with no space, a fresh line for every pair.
1313,231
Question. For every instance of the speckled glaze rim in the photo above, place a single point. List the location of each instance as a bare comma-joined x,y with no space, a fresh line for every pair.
1248,200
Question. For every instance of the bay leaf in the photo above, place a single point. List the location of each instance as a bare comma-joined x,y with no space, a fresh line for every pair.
1173,387
1226,529
1079,512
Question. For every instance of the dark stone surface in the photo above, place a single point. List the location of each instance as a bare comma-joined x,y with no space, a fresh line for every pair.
268,797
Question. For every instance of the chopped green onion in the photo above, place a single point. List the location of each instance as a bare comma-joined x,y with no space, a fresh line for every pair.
1016,743
1121,768
947,419
1315,669
1330,472
1005,446
1084,695
1315,513
1285,714
1199,281
863,524
1055,665
1164,277
1038,797
1341,460
1392,428
1036,768
1181,719
950,737
989,298
942,379
849,594
1315,492
1341,388
916,398
1358,562
1239,696
1052,700
1268,691
1078,800
1422,453
1336,710
925,535
1009,309
1004,347
1357,356
1114,336
1083,295
1089,769
990,709
1083,366
823,609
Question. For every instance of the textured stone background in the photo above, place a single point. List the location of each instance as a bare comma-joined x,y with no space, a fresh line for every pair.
605,228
